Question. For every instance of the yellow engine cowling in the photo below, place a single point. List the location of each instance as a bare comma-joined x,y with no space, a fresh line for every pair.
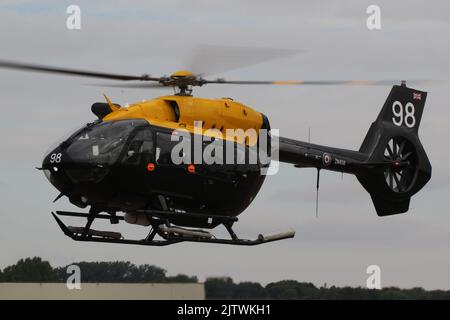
181,112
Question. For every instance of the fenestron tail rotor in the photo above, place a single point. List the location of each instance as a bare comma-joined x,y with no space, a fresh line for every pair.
400,178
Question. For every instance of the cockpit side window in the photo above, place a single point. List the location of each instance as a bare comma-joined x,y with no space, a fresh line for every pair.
140,147
165,145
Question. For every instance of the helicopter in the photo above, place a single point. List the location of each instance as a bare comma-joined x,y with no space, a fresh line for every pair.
121,165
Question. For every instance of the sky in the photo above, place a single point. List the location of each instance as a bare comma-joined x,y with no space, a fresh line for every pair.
331,41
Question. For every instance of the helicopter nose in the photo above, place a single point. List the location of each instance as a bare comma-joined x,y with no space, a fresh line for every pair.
52,166
76,163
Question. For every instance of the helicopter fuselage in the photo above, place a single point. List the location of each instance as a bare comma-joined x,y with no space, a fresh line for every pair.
123,161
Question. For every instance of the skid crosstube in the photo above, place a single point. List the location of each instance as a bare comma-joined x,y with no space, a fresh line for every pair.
87,234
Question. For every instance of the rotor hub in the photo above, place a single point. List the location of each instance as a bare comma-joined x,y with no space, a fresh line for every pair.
181,74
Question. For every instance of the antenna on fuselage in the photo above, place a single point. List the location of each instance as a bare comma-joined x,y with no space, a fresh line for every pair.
317,192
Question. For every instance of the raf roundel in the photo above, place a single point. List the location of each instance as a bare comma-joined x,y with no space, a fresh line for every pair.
327,159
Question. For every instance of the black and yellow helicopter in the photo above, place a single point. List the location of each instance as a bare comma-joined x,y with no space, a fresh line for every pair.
121,165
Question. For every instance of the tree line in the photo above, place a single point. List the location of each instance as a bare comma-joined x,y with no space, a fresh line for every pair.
37,270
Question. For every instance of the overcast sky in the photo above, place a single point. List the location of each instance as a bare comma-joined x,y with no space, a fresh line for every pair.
157,37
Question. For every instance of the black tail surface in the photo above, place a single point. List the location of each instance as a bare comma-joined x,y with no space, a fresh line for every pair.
398,166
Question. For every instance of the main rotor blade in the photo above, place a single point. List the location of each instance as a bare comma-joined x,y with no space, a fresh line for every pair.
73,72
138,85
214,59
315,82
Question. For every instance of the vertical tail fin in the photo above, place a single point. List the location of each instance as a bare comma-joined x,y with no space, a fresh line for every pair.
398,166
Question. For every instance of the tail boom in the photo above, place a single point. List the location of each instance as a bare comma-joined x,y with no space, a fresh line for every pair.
391,164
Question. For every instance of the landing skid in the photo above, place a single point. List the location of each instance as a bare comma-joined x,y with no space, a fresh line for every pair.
169,234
